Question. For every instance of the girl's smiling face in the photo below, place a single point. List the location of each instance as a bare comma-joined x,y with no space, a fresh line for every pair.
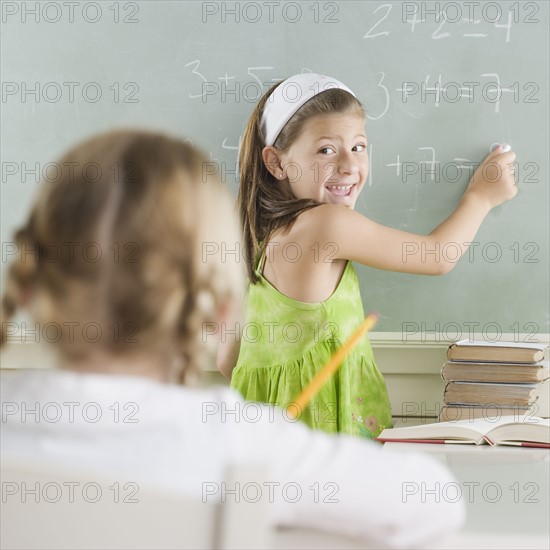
328,162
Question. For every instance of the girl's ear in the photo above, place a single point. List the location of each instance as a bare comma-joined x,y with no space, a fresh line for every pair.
272,161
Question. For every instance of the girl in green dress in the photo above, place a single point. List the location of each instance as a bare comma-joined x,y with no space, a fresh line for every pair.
303,163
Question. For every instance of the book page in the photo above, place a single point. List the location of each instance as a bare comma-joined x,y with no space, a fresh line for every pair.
483,425
536,430
530,385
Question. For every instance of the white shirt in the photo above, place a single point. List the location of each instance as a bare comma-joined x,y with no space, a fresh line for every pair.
181,438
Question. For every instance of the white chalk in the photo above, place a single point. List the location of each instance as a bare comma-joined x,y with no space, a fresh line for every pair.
505,147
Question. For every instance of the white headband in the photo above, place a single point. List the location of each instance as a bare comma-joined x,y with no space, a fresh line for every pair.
289,96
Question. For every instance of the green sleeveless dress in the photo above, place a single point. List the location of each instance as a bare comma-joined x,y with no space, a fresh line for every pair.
284,344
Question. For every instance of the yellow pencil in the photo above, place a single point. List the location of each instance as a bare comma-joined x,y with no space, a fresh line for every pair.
298,405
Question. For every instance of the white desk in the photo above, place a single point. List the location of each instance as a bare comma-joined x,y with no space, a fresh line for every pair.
506,491
511,520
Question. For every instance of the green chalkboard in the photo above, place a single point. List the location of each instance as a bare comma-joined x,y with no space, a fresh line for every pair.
441,82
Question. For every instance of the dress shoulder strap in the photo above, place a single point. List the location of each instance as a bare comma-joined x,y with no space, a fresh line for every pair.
260,264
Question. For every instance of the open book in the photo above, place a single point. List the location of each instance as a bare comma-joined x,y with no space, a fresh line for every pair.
532,432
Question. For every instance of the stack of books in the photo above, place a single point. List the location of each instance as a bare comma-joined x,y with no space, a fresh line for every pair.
494,379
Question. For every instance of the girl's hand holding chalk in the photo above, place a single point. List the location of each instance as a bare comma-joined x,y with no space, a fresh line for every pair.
493,182
295,408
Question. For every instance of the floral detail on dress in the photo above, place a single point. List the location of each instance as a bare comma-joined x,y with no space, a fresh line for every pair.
372,423
367,426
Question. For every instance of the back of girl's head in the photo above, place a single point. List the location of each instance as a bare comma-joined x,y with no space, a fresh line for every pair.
266,203
116,244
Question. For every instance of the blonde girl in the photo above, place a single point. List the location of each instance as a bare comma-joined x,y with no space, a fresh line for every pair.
150,209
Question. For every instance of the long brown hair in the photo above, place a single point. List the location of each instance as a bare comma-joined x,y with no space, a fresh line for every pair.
266,204
127,217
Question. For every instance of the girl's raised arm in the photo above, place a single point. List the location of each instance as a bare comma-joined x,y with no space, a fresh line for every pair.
362,240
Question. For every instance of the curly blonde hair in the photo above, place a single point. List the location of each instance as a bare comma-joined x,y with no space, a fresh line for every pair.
117,240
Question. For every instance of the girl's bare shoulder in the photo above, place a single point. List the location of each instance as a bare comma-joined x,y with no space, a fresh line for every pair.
319,224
